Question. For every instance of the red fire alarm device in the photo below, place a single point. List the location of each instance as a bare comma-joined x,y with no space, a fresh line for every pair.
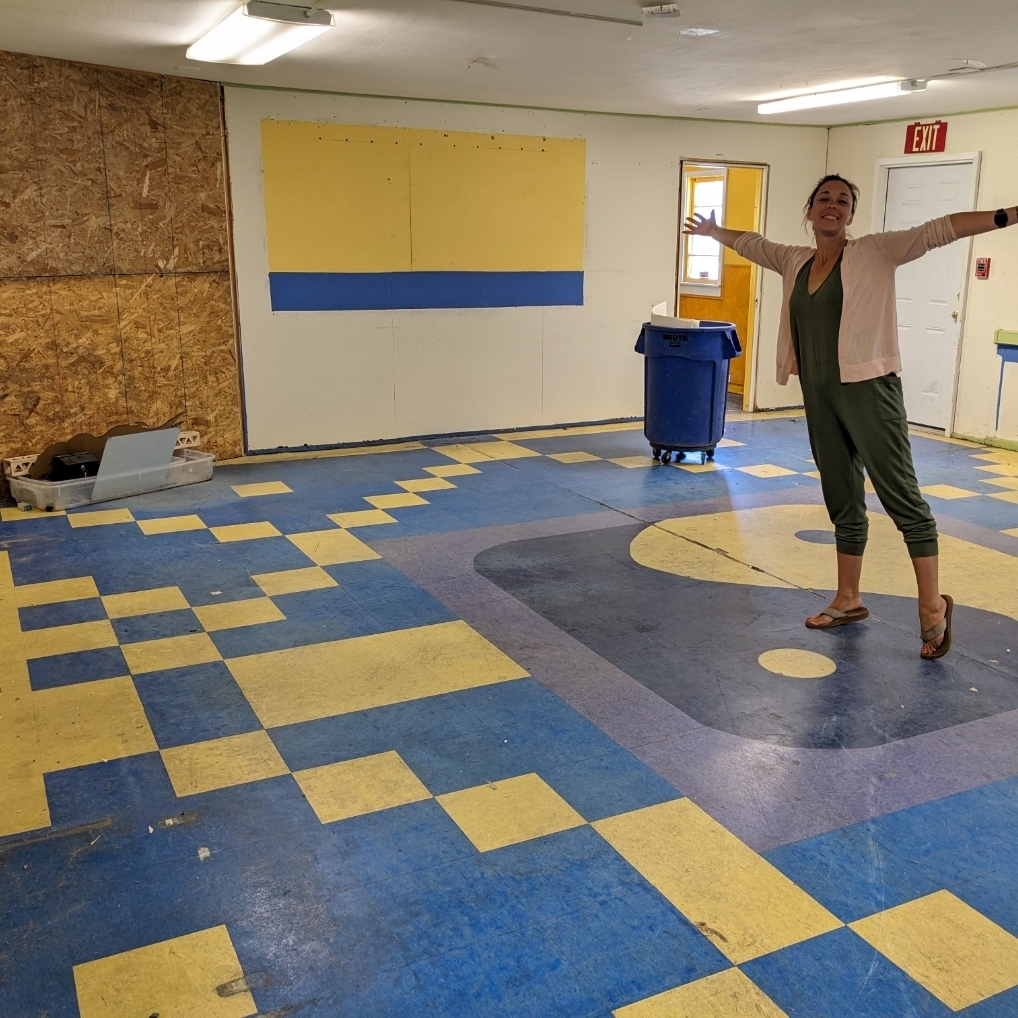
982,268
930,137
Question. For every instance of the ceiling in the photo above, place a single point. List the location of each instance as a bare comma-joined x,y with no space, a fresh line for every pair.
449,49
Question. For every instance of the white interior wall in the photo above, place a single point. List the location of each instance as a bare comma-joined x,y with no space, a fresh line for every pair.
321,378
990,304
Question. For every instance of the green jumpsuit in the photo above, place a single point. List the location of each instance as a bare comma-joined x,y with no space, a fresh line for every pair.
852,425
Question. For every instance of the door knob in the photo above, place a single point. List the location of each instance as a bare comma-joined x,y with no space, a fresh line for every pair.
954,315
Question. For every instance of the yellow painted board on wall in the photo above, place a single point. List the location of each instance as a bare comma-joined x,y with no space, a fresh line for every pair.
496,203
345,198
337,197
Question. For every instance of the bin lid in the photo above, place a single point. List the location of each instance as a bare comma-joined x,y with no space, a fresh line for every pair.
655,341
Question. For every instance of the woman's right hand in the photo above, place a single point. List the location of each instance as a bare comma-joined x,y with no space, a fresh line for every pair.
700,226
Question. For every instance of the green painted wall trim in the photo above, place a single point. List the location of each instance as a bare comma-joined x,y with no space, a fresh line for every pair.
996,443
603,113
518,106
912,119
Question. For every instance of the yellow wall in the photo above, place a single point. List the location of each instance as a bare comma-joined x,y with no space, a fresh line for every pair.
738,278
342,198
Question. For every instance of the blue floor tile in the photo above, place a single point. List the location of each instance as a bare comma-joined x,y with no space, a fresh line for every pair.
65,613
194,704
84,666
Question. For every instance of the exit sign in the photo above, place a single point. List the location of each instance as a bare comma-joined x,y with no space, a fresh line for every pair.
930,137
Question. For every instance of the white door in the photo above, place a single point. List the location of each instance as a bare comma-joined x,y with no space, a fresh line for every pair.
930,288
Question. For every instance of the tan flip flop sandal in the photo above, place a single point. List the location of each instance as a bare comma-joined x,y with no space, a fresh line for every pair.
839,618
943,626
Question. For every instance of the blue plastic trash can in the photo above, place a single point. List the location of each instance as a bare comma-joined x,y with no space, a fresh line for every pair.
685,387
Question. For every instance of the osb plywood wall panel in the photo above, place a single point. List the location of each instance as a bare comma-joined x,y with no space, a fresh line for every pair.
116,301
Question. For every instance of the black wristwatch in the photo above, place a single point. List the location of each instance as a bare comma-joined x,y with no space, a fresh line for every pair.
1000,218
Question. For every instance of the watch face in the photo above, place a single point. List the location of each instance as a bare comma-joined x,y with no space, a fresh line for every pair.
1000,218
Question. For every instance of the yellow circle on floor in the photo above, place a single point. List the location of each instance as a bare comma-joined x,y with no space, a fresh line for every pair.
796,664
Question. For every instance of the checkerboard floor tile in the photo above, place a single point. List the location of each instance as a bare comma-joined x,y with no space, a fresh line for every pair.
315,726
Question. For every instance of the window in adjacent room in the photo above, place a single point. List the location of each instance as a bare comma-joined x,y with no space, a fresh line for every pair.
705,193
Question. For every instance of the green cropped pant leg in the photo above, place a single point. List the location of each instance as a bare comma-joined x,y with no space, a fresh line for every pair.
865,426
854,425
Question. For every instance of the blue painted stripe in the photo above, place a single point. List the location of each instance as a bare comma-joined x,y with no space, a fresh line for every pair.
388,291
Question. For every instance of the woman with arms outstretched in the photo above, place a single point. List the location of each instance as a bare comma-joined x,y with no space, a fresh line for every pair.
839,334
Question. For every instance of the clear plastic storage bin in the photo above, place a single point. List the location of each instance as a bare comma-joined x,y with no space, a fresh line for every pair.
188,466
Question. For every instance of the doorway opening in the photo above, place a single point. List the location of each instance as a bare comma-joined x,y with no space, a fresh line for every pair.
713,282
931,290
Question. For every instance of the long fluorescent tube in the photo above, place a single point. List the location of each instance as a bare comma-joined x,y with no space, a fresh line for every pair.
885,90
259,32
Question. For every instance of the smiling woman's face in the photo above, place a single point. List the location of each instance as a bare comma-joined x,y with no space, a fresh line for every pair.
831,212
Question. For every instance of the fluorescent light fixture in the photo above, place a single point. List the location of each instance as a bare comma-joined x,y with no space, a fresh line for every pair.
259,32
661,11
812,100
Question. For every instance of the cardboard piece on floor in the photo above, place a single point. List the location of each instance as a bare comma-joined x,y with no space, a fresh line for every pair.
133,464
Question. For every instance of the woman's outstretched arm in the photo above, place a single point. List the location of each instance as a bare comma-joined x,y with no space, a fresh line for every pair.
969,224
706,226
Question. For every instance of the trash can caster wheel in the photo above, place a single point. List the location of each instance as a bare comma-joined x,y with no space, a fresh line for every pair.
655,452
679,456
703,458
666,457
710,454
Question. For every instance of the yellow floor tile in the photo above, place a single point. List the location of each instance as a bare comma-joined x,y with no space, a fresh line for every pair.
1003,469
998,456
234,614
573,457
737,899
868,487
171,652
631,462
23,803
262,488
700,468
452,470
68,639
1001,482
395,501
815,474
728,443
355,787
327,679
766,470
727,994
503,450
1006,496
171,525
78,588
948,947
583,429
175,977
1011,533
144,602
244,532
87,722
12,514
222,763
100,517
362,518
419,484
294,581
480,452
947,491
332,547
462,453
507,812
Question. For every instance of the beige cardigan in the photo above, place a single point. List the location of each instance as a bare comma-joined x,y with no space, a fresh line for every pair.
868,339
